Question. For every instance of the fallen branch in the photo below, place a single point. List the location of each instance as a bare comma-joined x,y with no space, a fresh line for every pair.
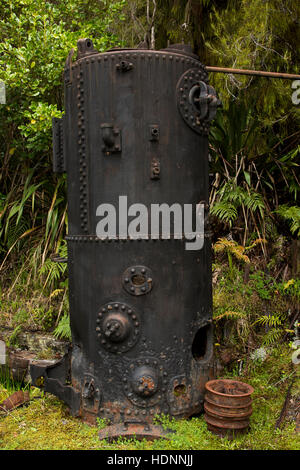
284,406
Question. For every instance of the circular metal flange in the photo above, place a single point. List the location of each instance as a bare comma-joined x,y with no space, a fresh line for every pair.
118,327
142,382
190,88
137,280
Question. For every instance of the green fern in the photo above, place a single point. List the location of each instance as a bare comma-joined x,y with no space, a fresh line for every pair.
269,320
292,215
254,202
52,270
63,329
276,324
230,197
225,211
272,336
15,231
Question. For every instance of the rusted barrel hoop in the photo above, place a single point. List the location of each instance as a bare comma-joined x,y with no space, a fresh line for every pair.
227,406
221,415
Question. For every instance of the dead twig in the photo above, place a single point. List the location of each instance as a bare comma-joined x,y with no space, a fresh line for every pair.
284,406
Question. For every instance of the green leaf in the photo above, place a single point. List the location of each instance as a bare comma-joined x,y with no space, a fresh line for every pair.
247,177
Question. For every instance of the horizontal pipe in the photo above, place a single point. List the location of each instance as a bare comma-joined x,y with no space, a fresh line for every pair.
259,73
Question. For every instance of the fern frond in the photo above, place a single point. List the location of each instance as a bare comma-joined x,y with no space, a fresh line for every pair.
272,336
255,243
53,270
269,320
229,314
56,292
254,202
292,215
232,247
63,329
238,252
225,211
223,244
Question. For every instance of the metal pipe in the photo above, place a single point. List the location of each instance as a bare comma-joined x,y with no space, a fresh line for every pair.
260,73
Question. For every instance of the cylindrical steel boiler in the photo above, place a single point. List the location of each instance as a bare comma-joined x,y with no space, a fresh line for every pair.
135,125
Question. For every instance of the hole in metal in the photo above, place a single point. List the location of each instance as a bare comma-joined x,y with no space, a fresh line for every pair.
180,390
40,381
199,345
138,280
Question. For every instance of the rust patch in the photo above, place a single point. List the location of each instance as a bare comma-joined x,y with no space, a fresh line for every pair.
147,385
13,401
227,406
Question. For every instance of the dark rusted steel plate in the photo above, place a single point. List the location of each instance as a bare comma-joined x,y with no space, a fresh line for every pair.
140,310
134,430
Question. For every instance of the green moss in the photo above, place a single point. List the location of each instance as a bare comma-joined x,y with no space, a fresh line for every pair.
46,424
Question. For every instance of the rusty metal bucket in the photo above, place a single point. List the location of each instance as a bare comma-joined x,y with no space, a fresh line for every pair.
227,406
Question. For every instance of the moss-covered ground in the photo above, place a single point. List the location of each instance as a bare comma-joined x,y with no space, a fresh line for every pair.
45,423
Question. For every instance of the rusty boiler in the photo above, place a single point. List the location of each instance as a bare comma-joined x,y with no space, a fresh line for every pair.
136,124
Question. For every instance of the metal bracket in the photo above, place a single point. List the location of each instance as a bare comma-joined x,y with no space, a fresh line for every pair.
55,258
155,169
154,133
85,48
124,66
68,68
91,395
111,137
54,379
